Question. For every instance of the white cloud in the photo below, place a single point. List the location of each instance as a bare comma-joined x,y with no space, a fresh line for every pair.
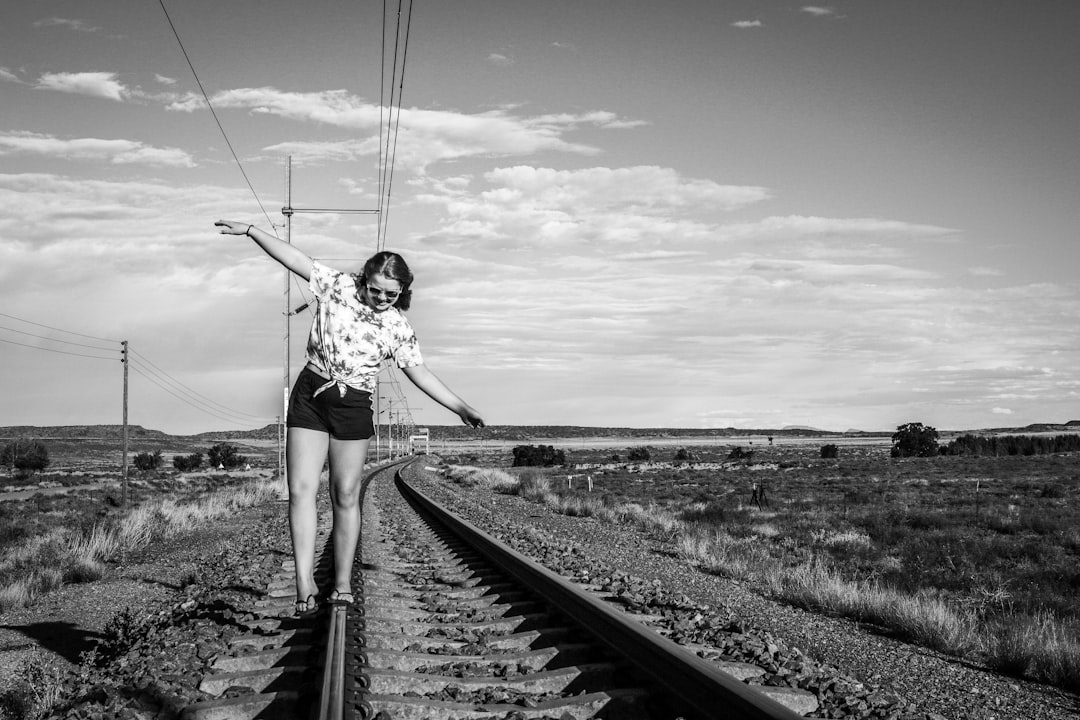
742,24
426,136
644,208
656,255
500,59
164,80
70,24
315,152
818,10
1002,411
97,84
802,226
9,76
120,152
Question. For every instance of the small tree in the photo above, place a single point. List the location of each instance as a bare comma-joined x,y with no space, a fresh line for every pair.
25,456
187,463
224,455
914,440
830,452
638,454
146,462
538,455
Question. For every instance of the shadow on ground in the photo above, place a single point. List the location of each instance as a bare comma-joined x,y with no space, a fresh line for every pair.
65,639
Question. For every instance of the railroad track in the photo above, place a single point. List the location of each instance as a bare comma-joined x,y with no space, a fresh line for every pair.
450,623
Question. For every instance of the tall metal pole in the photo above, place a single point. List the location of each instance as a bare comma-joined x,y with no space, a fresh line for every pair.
287,212
124,462
390,426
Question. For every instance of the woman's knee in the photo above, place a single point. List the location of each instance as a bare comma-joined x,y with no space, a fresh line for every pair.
345,495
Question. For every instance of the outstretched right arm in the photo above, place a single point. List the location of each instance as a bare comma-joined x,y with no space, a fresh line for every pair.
288,255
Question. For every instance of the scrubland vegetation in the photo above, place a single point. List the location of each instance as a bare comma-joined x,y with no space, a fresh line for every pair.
50,540
978,557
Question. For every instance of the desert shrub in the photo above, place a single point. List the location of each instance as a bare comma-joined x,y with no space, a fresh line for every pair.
25,456
538,456
188,463
829,452
998,445
682,455
146,461
703,513
1054,491
224,455
914,440
533,485
121,633
638,454
485,478
34,690
737,453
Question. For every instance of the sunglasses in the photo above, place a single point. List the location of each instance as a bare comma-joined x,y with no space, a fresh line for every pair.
390,295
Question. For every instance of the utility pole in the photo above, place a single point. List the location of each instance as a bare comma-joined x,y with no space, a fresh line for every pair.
378,420
124,462
287,211
390,427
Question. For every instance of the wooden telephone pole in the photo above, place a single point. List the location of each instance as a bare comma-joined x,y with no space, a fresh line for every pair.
124,462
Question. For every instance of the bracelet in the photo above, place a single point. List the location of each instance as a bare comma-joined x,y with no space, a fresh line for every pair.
248,231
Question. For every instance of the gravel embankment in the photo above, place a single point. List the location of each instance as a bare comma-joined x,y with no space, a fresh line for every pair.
189,597
908,680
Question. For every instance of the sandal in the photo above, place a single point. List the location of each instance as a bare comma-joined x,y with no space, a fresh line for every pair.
338,597
307,607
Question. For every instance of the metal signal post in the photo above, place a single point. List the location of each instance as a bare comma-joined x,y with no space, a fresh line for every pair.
288,211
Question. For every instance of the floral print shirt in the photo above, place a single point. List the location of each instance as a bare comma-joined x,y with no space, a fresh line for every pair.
348,339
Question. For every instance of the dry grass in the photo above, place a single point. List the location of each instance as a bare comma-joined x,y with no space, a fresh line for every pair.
904,548
42,564
36,689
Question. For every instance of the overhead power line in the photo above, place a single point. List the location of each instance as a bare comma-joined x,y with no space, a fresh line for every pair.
62,352
388,150
194,398
50,327
201,408
46,337
214,113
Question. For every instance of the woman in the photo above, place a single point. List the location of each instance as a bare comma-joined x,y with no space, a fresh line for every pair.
358,324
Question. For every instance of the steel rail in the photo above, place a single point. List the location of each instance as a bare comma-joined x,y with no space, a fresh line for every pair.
332,697
692,681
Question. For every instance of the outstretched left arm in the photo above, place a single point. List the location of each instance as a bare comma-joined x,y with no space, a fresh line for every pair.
436,389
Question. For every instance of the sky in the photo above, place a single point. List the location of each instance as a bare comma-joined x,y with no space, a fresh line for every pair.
699,214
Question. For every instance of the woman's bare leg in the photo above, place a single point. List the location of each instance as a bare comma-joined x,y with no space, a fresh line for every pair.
347,459
305,455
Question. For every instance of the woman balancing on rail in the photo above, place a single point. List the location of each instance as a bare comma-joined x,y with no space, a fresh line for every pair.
358,324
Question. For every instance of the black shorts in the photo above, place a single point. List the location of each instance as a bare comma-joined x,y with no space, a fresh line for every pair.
344,418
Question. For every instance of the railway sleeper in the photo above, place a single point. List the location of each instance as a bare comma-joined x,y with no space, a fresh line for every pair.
622,704
548,658
519,641
445,613
569,680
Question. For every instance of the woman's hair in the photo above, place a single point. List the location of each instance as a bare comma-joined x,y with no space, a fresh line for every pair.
393,266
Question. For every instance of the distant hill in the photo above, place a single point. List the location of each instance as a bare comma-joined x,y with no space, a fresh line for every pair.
524,433
135,432
519,433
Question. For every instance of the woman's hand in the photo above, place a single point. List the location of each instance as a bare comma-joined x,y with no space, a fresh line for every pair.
471,417
228,227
